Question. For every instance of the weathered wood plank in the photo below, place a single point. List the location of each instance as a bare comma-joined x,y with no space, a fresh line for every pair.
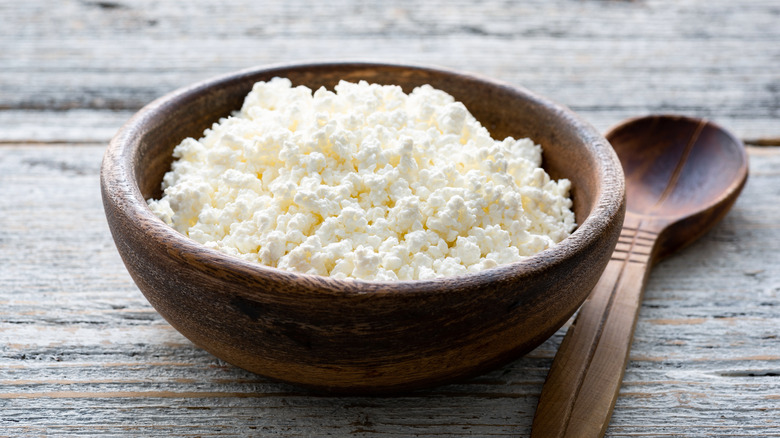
98,126
607,60
82,352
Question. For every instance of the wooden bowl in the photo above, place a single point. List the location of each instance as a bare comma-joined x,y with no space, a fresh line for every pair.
351,336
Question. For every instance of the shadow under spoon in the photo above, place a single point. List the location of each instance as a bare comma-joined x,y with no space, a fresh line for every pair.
682,176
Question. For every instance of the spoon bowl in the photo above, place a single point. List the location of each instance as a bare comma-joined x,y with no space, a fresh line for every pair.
682,176
680,171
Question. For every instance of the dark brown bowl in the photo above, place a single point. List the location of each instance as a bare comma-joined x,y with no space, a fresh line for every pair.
352,336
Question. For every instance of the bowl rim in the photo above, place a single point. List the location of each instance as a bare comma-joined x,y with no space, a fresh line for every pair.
117,173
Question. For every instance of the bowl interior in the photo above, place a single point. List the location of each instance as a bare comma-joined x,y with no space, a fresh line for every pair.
503,110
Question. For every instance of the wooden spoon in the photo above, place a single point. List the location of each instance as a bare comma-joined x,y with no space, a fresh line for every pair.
682,176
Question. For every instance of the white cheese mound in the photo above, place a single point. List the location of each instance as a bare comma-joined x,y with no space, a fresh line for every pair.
365,182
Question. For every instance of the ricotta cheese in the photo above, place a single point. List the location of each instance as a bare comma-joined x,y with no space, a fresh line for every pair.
363,182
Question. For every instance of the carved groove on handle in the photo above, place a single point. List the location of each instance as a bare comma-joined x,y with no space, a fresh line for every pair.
634,245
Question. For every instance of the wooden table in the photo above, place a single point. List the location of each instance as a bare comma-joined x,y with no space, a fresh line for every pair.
83,353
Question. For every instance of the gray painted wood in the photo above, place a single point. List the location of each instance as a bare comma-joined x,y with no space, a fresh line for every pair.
606,60
82,353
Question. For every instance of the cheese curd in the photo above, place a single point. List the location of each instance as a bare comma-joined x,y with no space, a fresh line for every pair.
363,182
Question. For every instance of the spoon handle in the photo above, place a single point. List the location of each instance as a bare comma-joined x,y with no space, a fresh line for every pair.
581,388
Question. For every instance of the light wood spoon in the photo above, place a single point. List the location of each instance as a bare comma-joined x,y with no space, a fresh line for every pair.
682,176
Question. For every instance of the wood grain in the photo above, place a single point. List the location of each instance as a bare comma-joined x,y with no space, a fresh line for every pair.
606,60
706,353
82,352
